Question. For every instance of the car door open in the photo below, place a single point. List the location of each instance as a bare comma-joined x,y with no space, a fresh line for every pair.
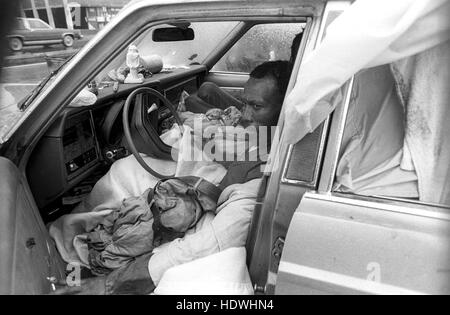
29,260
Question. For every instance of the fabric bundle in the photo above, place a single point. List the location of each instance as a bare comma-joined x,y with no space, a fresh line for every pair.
107,240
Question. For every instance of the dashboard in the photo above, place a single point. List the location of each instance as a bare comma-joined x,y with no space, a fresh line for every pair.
87,140
67,152
80,149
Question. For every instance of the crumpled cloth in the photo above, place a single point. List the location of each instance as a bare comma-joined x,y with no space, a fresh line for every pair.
142,223
121,236
423,87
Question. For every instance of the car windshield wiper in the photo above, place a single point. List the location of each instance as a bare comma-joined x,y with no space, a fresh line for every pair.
25,102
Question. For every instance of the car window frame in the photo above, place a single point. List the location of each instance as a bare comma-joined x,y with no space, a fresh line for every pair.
330,13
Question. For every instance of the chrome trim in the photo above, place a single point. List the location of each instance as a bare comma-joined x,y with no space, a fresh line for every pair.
232,88
39,42
416,202
333,149
227,73
337,282
382,204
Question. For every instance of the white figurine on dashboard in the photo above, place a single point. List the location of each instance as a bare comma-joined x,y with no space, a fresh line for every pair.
133,62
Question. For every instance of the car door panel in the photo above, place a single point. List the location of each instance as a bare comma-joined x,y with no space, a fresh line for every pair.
336,245
28,254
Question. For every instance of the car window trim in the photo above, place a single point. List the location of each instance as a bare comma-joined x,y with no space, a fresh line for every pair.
336,136
393,205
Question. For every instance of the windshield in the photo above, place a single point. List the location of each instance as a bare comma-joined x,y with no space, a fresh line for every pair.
177,54
25,70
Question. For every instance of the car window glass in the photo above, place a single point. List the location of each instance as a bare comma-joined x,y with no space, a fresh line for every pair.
207,36
265,42
37,24
177,54
20,25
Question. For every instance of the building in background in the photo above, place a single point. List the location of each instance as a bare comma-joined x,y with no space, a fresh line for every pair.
79,14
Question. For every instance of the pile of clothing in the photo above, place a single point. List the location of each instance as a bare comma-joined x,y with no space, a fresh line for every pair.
160,215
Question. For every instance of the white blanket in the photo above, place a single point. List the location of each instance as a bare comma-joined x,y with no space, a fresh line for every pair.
224,273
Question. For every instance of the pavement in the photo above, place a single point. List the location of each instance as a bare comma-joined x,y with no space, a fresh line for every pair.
25,74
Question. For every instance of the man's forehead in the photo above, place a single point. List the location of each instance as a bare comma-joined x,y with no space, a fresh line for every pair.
260,90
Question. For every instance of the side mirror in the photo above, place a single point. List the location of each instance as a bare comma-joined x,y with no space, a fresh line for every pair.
173,34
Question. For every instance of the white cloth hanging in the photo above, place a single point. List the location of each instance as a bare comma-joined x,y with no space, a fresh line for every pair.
369,33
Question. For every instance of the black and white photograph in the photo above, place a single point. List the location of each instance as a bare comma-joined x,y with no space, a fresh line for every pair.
224,152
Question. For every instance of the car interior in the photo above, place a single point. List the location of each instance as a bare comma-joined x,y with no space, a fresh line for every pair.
358,155
83,143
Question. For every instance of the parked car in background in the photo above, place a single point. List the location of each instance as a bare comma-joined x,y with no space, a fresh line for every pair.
30,32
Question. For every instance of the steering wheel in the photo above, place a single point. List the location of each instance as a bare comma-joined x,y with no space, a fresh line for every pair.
127,130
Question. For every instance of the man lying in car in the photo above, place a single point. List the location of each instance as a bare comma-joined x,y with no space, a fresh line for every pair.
263,97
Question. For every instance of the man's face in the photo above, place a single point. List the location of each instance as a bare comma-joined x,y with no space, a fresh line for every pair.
262,102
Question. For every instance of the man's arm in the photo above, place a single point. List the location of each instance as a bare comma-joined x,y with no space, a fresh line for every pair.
229,228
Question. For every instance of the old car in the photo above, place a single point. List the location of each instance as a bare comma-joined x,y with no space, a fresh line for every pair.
311,231
32,31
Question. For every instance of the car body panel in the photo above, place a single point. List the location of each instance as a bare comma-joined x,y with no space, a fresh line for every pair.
341,245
